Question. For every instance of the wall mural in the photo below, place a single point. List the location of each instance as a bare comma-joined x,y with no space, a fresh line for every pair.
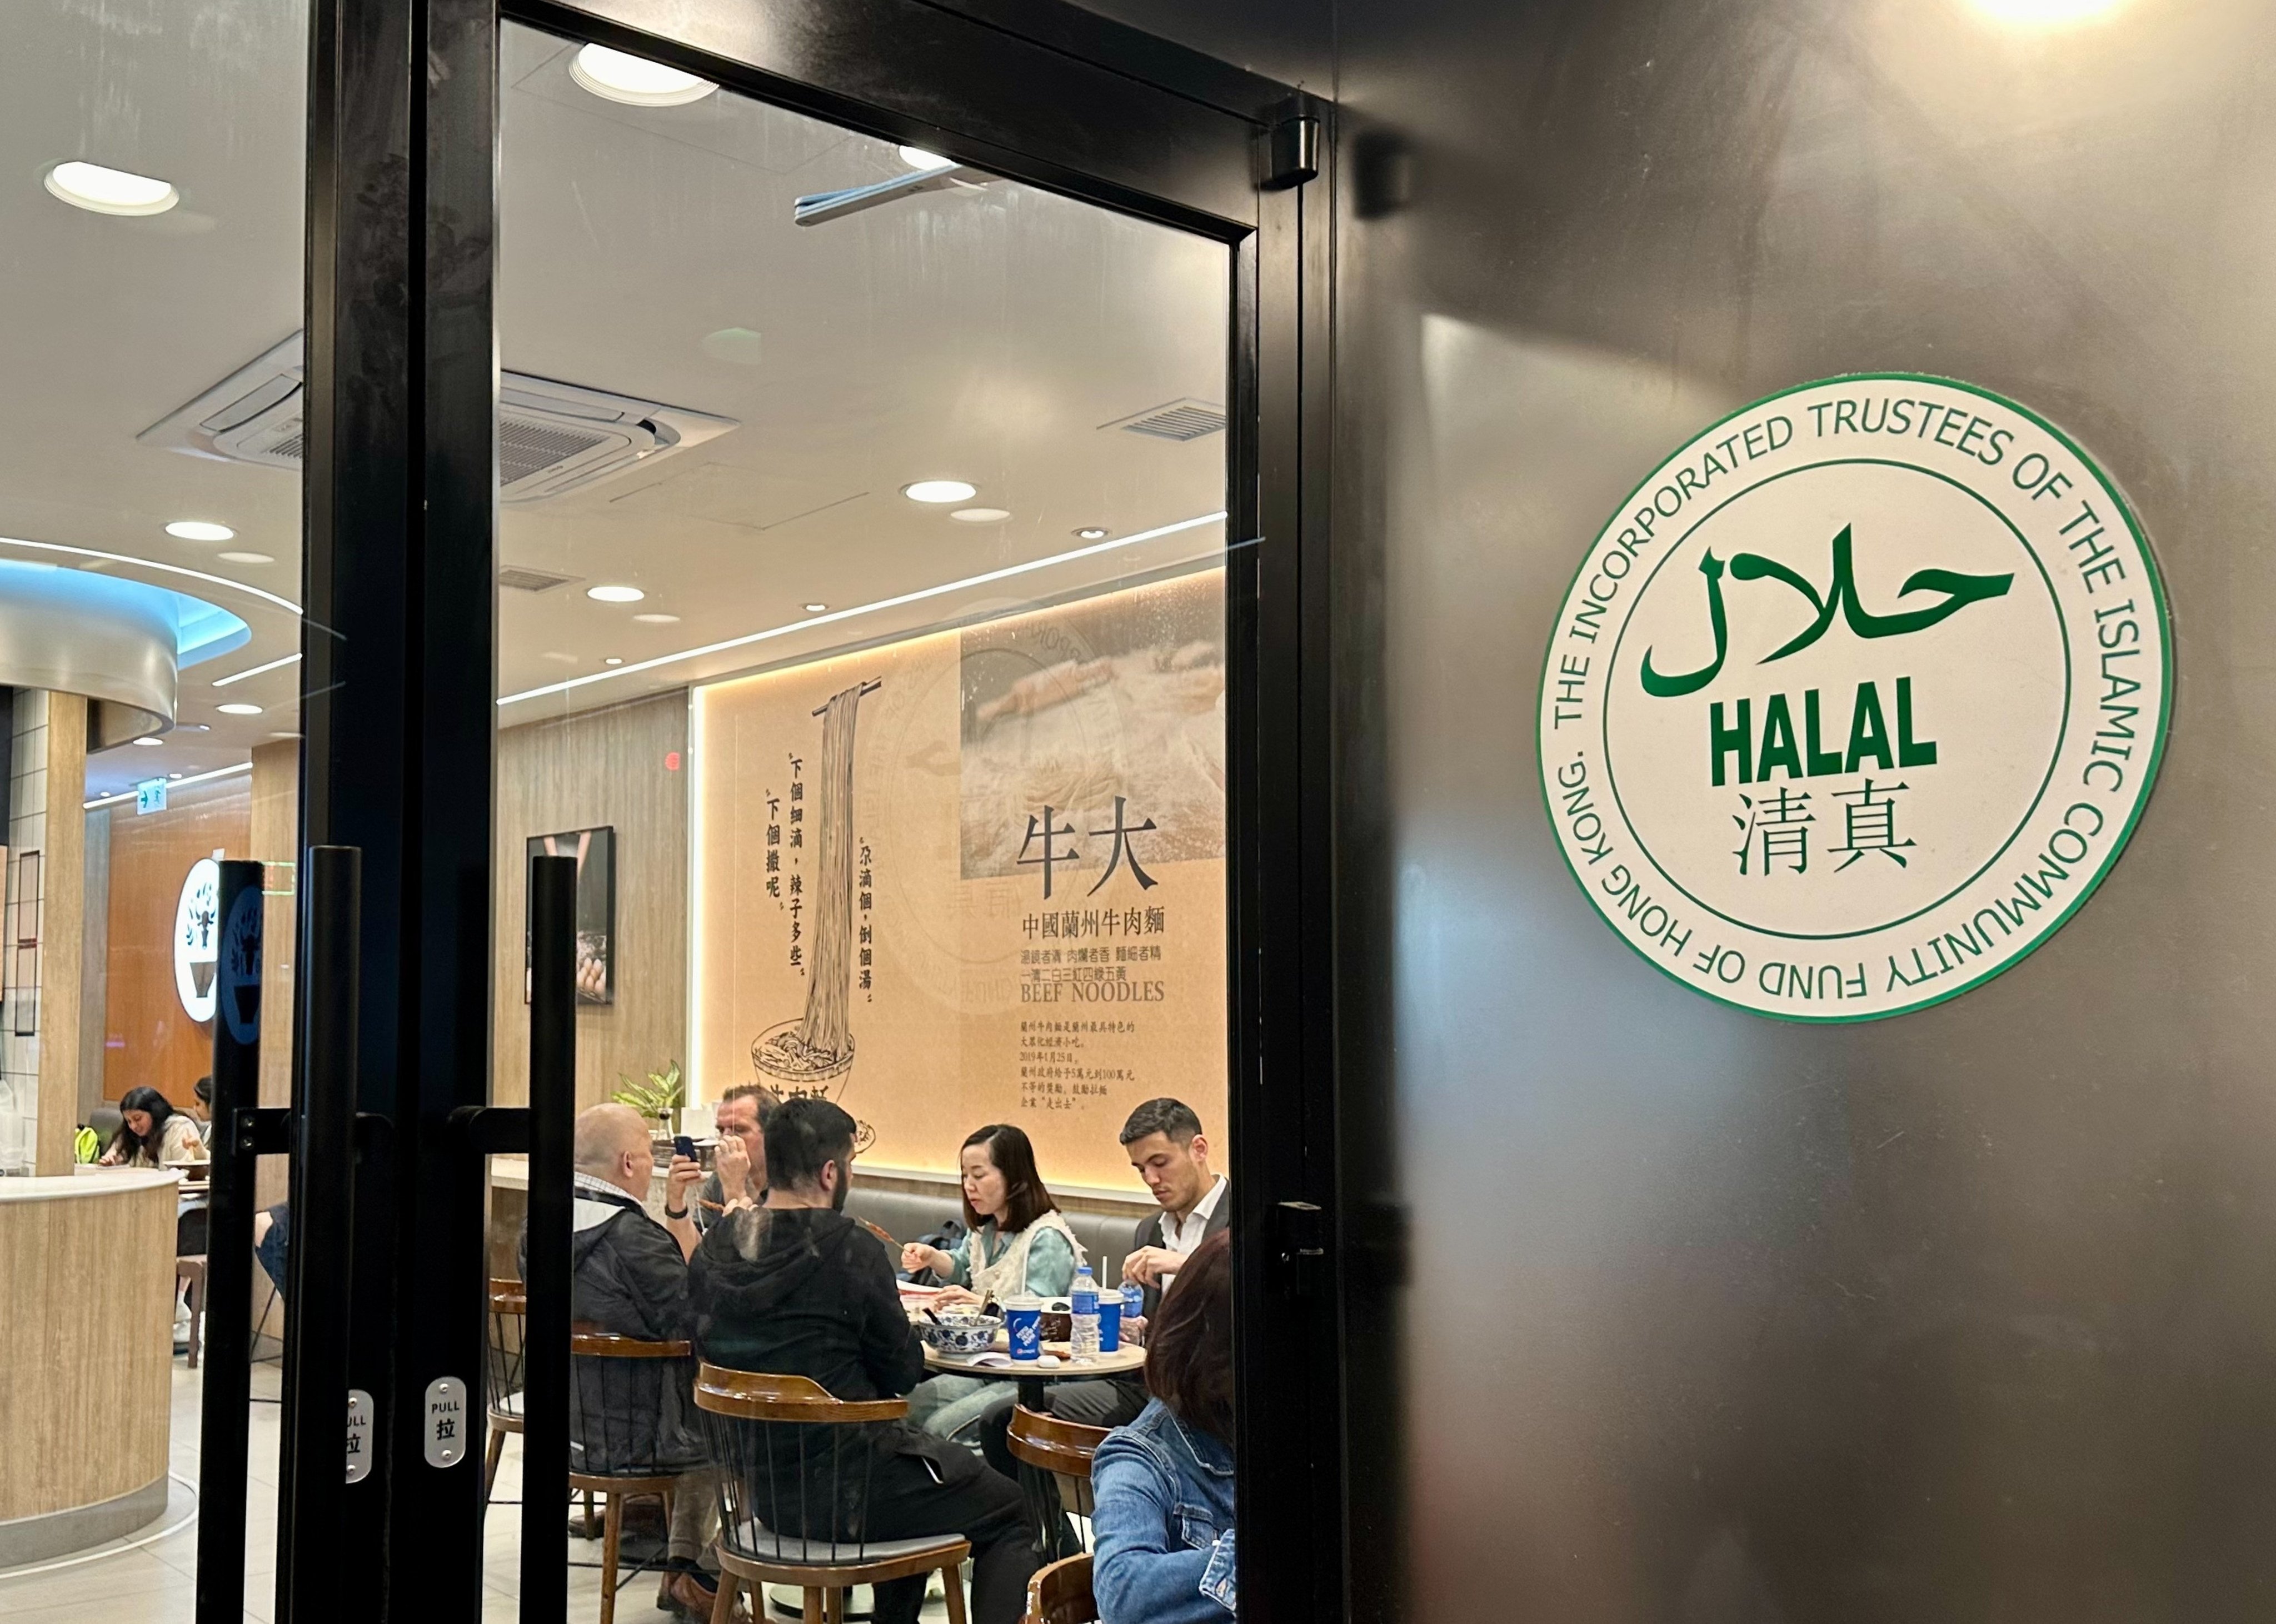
596,852
999,897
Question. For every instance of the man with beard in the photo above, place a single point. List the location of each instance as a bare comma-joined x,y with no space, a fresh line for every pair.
794,1288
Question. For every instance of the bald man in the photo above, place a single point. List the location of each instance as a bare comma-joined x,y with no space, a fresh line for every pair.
628,1274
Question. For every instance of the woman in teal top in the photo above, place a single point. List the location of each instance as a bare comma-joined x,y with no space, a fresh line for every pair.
1016,1245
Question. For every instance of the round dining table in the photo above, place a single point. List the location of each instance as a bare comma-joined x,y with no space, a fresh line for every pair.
1034,1375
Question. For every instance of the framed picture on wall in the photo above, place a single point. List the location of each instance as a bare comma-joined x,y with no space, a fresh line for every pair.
596,852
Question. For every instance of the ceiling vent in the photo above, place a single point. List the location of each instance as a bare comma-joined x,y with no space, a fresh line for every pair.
553,438
521,579
1180,420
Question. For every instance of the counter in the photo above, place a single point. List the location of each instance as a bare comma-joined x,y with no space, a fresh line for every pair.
86,1343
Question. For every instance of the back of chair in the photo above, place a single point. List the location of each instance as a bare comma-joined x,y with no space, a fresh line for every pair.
1062,1449
627,1407
502,1358
1060,1593
795,1464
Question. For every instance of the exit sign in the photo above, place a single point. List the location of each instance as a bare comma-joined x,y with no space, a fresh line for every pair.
150,797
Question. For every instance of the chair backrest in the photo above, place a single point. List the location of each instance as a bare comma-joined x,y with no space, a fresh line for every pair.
1063,1448
1060,1593
795,1463
502,1357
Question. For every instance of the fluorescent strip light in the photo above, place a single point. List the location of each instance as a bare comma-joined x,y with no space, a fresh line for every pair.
171,784
808,622
287,604
239,676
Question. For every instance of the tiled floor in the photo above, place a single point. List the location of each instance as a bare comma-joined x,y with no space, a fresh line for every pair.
143,1579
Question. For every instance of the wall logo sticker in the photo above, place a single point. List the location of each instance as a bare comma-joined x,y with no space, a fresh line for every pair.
1856,699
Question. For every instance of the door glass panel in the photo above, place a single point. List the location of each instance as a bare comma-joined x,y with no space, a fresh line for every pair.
862,636
151,266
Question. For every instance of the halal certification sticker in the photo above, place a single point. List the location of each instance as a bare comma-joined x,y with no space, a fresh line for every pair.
1856,698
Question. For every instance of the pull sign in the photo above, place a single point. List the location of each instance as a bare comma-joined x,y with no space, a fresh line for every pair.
359,1435
446,1421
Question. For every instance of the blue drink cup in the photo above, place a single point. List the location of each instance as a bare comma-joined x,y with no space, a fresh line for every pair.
1023,1325
1110,1324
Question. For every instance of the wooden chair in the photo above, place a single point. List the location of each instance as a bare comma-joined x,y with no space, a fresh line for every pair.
1060,1593
193,1271
766,1429
614,1467
502,1373
1057,1454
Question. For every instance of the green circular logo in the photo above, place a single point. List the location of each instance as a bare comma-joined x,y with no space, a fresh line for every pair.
1856,698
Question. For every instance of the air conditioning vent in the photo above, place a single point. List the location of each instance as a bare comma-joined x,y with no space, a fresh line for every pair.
1180,420
521,579
553,437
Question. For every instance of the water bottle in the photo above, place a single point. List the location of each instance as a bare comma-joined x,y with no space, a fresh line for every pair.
1084,1299
1133,1307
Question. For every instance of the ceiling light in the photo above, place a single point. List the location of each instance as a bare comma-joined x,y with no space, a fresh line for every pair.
617,76
255,670
199,530
917,157
815,609
1091,533
283,735
246,557
655,617
239,710
149,743
2045,11
939,490
919,595
612,660
110,190
172,776
981,515
615,595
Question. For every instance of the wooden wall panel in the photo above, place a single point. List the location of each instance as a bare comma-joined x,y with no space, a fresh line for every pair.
603,767
87,1341
148,1035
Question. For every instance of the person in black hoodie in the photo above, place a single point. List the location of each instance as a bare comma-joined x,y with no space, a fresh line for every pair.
794,1288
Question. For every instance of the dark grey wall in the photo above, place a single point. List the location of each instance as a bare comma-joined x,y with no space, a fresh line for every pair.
1964,1316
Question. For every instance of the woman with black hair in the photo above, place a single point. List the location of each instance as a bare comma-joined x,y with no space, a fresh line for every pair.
152,1133
1163,1486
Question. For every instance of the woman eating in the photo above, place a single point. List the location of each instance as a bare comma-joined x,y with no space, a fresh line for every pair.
1162,1522
1016,1245
152,1133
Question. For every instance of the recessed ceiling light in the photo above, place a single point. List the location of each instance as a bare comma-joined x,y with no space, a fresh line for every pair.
2045,11
612,660
149,743
1091,533
738,345
173,775
199,530
245,558
939,490
981,515
283,735
815,609
617,76
615,595
110,190
657,617
239,710
559,659
917,157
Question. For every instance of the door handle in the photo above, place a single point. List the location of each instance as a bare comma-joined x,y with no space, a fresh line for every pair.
545,1334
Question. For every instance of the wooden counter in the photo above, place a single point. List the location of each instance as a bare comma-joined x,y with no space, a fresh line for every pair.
86,1343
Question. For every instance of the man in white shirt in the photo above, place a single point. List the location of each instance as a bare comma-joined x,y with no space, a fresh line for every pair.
1164,1141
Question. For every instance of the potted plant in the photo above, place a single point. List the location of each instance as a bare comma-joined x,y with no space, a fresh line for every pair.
660,1099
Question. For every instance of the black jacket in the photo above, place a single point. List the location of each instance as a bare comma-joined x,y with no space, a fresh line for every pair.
626,1276
807,1292
1150,1233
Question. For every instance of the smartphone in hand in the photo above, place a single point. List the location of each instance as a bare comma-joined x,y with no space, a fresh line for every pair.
682,1145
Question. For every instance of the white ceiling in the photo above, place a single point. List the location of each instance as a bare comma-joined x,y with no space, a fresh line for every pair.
979,335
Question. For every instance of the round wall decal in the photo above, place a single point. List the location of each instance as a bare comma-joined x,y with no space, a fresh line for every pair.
1856,698
197,933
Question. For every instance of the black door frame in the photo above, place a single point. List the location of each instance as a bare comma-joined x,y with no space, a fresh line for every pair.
398,686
